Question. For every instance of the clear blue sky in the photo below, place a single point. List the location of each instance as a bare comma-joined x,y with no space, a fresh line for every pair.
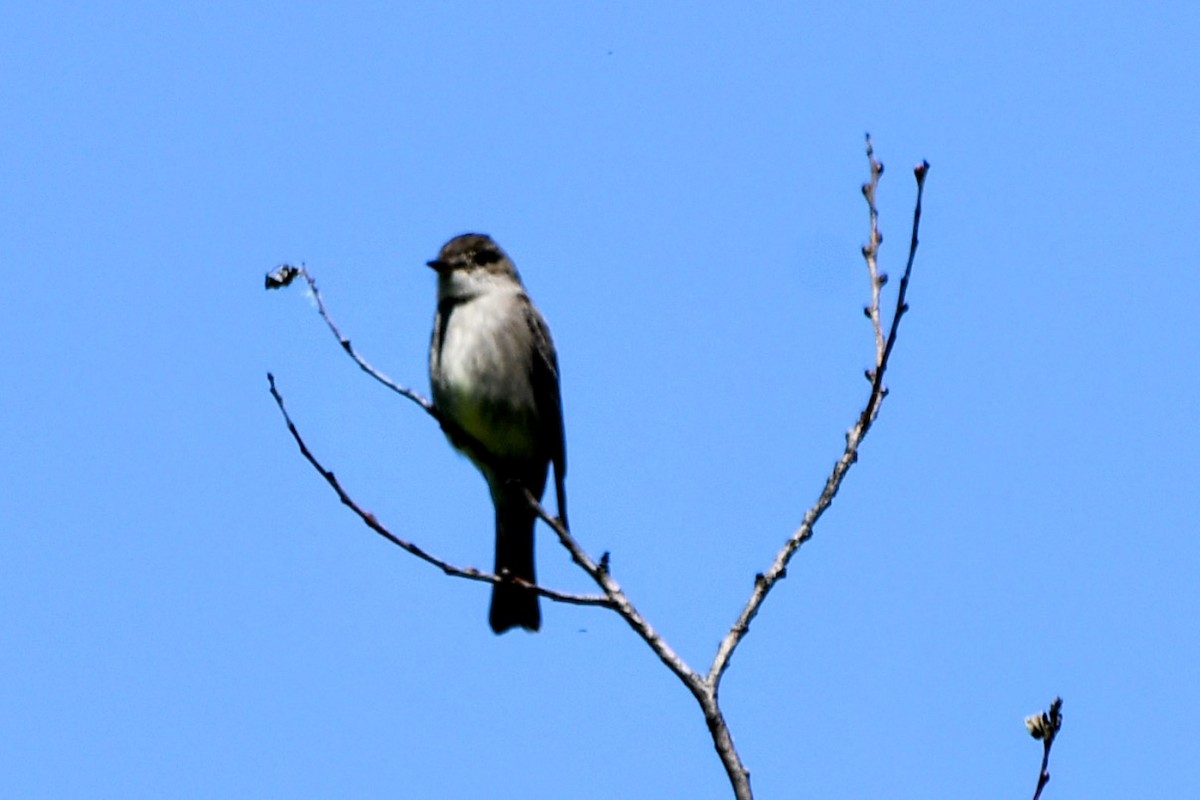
187,611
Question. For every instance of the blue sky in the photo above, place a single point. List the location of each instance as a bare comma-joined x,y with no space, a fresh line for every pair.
187,611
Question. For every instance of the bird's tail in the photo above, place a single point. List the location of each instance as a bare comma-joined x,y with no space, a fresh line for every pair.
514,606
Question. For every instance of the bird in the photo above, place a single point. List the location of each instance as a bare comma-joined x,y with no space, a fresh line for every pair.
494,374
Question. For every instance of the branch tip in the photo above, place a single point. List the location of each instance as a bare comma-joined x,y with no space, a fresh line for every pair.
1045,726
282,276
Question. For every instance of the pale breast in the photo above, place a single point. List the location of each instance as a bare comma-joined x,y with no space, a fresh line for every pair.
484,382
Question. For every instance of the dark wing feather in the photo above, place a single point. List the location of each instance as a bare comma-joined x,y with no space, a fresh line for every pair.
544,374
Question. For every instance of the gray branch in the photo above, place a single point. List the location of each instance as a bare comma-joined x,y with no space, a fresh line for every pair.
764,582
703,687
469,573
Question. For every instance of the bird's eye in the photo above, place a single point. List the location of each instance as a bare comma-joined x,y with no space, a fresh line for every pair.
488,256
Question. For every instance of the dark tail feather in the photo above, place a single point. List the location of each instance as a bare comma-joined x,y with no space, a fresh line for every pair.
514,606
560,493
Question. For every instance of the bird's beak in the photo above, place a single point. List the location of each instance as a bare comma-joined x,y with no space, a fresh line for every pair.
440,267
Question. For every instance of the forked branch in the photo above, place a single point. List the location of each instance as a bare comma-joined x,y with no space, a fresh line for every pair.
764,582
703,687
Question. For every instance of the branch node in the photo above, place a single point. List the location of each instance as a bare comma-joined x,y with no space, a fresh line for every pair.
1045,727
283,275
1045,724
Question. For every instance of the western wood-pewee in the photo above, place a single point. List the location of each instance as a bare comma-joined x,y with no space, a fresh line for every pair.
494,374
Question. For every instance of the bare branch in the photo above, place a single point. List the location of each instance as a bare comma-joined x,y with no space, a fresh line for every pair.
704,692
764,582
284,274
870,251
703,688
618,600
1045,726
469,573
613,597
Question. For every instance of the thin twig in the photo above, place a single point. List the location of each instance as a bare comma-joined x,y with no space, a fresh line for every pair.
870,251
1045,726
469,573
764,582
284,274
